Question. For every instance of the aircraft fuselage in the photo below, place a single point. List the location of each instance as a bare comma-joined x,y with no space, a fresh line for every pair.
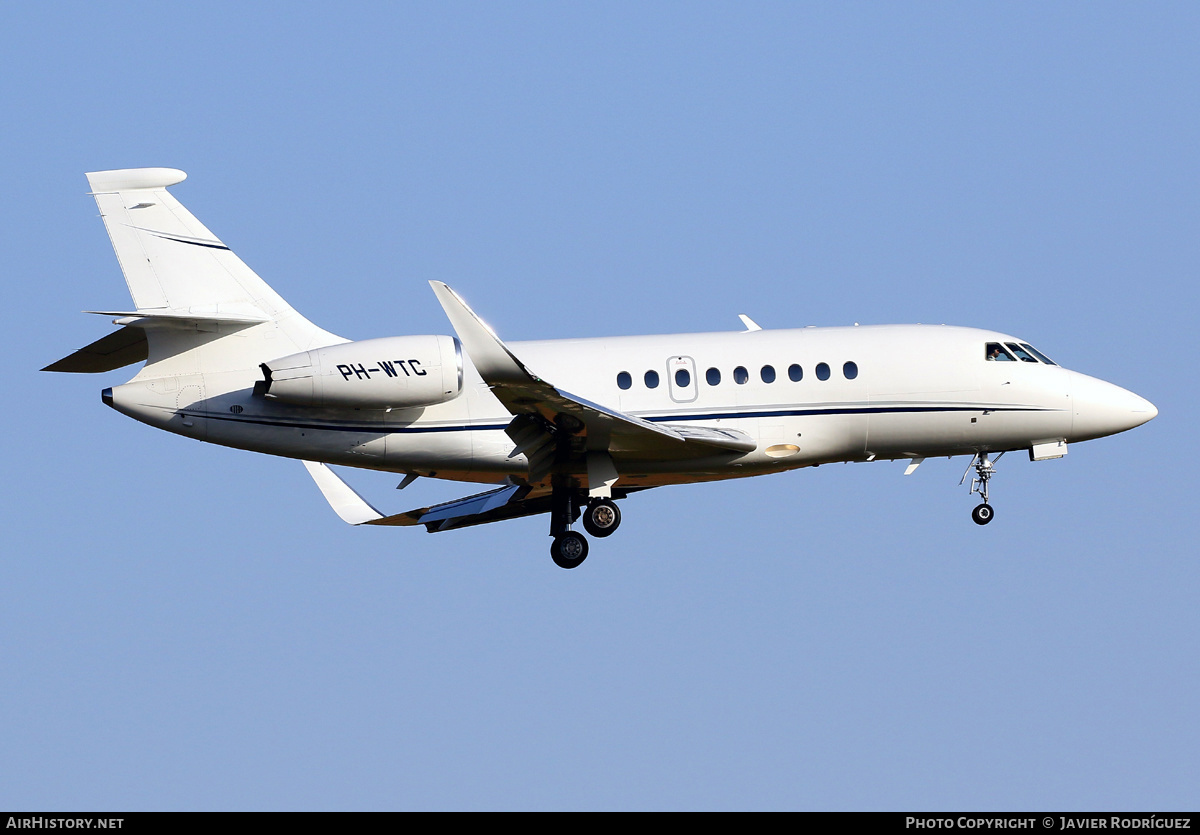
862,393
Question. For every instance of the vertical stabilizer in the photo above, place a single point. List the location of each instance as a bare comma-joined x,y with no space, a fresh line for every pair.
184,279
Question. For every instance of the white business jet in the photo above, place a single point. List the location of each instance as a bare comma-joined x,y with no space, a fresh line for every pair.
564,427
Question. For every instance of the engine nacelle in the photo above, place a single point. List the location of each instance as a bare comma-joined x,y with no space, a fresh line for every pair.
396,372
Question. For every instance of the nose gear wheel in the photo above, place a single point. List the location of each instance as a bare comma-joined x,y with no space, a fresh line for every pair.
984,470
982,514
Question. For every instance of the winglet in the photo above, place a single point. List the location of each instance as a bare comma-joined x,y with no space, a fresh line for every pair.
491,357
750,324
351,507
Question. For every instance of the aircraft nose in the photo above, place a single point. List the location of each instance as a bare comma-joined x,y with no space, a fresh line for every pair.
1101,408
1143,407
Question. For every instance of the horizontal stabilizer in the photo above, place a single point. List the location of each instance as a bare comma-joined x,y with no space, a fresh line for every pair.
148,318
204,322
116,350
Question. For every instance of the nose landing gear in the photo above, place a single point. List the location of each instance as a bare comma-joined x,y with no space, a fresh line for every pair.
984,470
982,514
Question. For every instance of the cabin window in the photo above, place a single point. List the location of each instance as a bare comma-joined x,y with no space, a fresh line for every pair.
741,376
850,369
624,381
795,373
1022,354
683,378
822,371
1038,354
651,379
768,373
995,352
713,376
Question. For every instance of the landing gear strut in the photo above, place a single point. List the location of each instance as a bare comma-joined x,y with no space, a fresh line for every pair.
569,548
601,518
984,470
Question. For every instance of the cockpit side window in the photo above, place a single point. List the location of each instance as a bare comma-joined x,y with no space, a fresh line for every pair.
1021,353
1038,354
995,352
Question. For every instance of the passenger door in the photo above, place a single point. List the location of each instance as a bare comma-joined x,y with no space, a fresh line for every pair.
681,378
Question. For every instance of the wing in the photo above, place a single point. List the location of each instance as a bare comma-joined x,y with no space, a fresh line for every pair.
543,413
511,501
557,432
508,502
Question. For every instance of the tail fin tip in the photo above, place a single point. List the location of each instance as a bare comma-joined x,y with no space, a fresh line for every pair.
133,179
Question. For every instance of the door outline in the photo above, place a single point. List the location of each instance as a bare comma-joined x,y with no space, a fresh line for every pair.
682,394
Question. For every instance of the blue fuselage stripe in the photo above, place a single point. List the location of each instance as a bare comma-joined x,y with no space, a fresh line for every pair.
384,428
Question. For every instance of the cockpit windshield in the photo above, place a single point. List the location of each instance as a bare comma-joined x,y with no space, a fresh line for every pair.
1014,351
996,352
1038,354
1022,354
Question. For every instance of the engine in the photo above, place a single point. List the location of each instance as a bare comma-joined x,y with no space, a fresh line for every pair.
397,372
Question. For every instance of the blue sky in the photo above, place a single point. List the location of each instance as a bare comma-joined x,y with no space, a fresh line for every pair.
190,627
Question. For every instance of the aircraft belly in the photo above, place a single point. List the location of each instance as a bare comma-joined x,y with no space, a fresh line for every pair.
1016,428
452,449
921,421
838,436
935,425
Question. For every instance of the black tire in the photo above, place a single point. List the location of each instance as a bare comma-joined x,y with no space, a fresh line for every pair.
983,514
602,518
569,549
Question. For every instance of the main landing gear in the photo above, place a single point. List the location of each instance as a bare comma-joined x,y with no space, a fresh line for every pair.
601,517
569,549
984,470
